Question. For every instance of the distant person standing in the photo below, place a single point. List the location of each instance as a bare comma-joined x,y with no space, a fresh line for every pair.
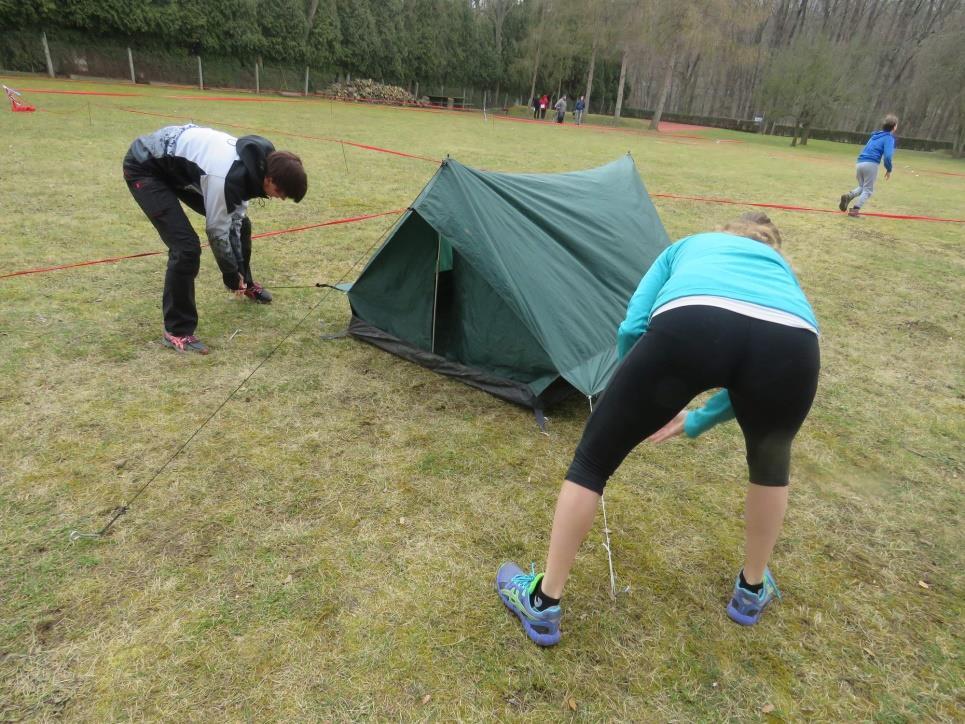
544,103
578,112
560,109
880,146
215,175
536,107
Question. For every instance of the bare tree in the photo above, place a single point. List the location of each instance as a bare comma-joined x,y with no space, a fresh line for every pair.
803,82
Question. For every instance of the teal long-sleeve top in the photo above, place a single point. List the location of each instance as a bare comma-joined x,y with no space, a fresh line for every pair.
719,265
716,410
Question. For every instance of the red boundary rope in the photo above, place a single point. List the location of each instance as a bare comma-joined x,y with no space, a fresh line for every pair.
289,133
79,93
432,107
788,207
113,259
367,147
351,219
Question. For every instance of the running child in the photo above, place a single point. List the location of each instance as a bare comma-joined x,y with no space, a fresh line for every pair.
880,146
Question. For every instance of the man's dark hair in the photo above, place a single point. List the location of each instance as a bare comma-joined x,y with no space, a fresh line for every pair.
286,170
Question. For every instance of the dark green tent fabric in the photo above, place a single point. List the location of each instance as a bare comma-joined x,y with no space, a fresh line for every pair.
511,282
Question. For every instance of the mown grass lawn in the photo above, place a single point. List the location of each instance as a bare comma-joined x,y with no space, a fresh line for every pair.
325,547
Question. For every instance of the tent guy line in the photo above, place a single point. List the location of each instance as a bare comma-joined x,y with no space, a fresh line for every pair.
77,535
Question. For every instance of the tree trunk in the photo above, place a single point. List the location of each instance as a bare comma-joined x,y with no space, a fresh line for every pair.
310,18
623,78
690,86
664,90
532,86
589,76
539,39
805,133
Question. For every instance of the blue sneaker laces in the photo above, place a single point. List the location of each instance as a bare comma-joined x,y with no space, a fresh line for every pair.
525,580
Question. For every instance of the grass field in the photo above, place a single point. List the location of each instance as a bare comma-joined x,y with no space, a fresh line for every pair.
325,547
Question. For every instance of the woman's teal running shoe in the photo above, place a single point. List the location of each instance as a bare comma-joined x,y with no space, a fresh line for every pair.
515,588
745,606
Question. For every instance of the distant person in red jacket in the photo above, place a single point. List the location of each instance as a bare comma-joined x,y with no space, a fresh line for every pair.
544,103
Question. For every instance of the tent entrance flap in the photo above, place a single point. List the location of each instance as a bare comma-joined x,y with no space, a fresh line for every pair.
395,290
476,327
443,265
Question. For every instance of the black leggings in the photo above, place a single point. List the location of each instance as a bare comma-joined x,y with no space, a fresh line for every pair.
770,371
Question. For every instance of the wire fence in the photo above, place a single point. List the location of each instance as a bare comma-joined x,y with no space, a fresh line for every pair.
70,55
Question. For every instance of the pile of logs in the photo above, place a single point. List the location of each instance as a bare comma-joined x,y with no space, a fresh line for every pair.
365,89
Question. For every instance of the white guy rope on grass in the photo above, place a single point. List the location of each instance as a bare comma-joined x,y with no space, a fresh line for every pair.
609,556
606,534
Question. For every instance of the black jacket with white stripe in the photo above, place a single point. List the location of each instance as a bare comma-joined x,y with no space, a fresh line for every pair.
226,172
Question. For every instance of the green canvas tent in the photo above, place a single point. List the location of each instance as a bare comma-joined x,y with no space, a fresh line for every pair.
512,283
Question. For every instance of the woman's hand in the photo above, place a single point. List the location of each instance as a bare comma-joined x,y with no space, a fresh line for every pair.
671,429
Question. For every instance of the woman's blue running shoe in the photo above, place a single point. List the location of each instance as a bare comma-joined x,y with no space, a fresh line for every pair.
515,588
745,606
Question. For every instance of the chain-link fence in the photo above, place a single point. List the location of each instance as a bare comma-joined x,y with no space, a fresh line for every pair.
73,56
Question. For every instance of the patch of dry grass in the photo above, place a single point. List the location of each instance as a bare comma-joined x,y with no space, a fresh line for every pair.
324,548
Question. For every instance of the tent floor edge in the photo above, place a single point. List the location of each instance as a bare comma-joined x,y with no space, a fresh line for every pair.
501,387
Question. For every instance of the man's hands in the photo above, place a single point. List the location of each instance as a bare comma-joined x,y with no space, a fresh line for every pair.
235,283
887,175
671,429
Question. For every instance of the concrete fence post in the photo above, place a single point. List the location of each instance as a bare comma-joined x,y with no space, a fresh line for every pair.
50,63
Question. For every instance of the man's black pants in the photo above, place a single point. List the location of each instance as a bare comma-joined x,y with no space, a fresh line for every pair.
161,203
